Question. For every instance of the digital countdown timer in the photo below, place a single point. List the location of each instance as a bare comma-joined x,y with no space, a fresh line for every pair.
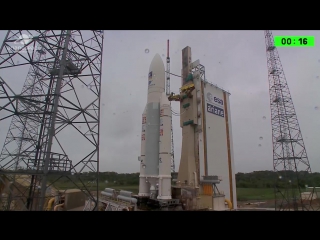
294,41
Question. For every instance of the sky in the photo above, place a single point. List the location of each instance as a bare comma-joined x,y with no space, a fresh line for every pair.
234,60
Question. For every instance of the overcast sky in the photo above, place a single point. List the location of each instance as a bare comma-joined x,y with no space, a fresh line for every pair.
235,61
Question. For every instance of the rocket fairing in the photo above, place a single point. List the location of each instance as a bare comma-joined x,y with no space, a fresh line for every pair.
155,159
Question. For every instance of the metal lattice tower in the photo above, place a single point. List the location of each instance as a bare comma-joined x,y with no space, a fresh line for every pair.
53,138
173,167
168,93
290,159
23,131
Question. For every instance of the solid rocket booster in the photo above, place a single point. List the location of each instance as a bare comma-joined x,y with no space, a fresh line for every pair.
143,185
165,148
155,171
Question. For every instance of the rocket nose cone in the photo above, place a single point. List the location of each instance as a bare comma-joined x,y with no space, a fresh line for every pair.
156,76
157,56
156,62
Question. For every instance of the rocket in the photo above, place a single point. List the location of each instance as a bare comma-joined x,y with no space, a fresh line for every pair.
155,158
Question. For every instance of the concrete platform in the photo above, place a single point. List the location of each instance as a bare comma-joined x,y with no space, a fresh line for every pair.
256,209
77,209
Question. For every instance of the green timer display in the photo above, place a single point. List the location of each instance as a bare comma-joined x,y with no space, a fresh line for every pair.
294,41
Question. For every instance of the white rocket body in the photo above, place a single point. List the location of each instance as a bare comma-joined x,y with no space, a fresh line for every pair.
155,165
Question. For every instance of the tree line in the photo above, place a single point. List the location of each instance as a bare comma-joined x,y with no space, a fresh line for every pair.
256,179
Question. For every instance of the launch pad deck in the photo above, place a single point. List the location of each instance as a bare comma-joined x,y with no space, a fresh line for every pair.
146,202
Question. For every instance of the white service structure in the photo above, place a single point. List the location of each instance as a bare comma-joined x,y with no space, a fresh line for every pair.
215,141
155,159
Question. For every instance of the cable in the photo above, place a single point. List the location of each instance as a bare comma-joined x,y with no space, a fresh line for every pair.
176,113
173,74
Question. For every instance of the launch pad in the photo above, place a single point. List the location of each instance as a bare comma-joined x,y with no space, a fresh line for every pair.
188,198
146,203
207,197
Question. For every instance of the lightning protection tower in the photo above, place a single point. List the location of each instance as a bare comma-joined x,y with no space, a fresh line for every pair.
290,160
53,138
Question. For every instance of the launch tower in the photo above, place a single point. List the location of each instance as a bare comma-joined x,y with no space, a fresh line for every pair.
207,151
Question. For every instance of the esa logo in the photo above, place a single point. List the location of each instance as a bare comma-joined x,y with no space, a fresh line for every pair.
212,99
215,110
218,100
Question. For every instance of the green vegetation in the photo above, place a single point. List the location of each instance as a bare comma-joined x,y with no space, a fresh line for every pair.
246,194
266,179
133,188
256,185
125,181
259,185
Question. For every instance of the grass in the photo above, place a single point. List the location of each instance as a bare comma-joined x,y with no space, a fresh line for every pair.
102,185
247,194
243,194
134,189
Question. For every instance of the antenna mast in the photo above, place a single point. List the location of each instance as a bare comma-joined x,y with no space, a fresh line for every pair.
168,93
168,71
